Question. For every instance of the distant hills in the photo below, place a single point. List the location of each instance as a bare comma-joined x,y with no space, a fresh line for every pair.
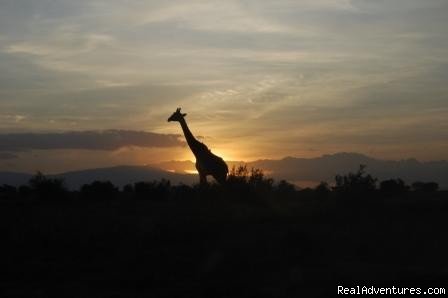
324,168
119,176
310,171
14,179
302,171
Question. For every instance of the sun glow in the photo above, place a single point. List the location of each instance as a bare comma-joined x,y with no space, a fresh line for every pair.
224,154
227,155
191,172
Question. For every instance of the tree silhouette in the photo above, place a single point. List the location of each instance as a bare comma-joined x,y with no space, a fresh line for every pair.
99,190
425,186
7,191
393,186
244,183
259,182
322,189
285,189
238,174
128,188
355,183
47,188
155,190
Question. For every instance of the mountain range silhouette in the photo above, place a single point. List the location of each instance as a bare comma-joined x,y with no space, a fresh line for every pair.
293,169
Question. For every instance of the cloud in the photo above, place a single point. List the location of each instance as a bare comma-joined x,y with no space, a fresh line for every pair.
89,140
12,118
7,155
246,72
229,16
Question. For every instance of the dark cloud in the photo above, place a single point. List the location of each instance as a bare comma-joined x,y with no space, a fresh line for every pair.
243,70
89,140
7,155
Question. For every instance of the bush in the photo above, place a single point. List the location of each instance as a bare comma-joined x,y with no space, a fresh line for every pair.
285,189
99,190
322,188
242,182
258,182
237,180
7,191
128,189
355,183
425,186
153,190
47,188
183,191
238,175
393,186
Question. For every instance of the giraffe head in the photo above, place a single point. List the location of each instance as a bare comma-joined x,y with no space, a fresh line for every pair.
177,116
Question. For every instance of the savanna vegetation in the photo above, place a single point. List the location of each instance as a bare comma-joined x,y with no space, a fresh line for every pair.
253,237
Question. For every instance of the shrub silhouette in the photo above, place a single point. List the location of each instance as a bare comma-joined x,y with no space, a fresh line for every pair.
322,190
238,174
425,186
183,191
237,180
8,191
355,183
244,183
259,182
393,186
128,188
143,189
47,188
285,189
241,184
99,190
207,244
322,187
152,190
24,191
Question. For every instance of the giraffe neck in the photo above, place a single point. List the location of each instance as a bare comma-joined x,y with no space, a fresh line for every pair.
191,140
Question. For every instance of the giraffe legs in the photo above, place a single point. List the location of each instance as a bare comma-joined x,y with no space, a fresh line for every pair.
202,175
202,179
220,178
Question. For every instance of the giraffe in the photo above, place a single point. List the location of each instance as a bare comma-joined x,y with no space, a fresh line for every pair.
207,163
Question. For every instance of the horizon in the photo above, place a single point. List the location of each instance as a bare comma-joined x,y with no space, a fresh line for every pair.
302,172
161,165
90,84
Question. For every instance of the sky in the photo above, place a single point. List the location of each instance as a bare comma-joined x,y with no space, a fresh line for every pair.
91,83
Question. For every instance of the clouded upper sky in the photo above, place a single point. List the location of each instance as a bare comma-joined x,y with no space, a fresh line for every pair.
258,79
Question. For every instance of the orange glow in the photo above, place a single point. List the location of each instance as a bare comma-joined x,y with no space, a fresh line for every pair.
226,154
191,171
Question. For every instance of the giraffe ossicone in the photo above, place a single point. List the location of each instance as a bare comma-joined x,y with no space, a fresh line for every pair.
207,163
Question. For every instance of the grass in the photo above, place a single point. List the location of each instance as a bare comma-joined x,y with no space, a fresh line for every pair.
216,245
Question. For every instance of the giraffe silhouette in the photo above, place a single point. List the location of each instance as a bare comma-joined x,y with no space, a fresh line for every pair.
207,163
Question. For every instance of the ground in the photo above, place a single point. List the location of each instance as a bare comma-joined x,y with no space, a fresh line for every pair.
215,246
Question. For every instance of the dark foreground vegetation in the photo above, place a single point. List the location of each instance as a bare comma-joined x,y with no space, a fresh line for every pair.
250,238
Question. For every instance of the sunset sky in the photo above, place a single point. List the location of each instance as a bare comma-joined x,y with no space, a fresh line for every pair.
91,83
